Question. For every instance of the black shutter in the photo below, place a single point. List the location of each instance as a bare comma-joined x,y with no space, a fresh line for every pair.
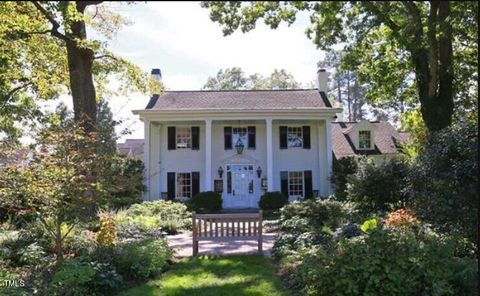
195,183
307,180
227,131
283,137
170,185
306,137
251,137
284,183
171,138
195,138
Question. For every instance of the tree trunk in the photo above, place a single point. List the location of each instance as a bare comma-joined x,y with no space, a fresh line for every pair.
80,62
349,99
58,239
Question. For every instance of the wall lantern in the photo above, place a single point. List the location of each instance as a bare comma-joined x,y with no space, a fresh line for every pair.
259,171
239,146
220,171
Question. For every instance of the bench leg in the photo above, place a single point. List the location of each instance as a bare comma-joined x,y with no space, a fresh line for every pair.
195,248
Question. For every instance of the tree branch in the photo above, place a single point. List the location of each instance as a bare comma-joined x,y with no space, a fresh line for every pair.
106,56
55,24
68,231
15,89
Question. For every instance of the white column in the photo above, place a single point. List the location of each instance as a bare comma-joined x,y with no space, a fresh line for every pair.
208,155
328,140
269,155
146,158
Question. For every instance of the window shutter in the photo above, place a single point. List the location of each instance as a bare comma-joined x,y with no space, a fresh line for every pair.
227,131
195,138
307,181
195,183
172,145
306,137
284,183
283,137
251,137
170,185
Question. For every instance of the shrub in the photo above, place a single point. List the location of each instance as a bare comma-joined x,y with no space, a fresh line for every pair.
134,232
83,243
379,188
398,261
142,259
348,230
341,169
15,290
401,218
206,202
107,235
272,200
106,278
72,279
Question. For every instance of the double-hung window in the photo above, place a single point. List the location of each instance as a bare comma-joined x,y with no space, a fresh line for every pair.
184,185
240,133
294,136
364,140
295,183
184,137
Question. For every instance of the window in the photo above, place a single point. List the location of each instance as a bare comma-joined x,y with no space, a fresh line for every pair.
240,133
184,137
184,185
364,140
295,183
295,137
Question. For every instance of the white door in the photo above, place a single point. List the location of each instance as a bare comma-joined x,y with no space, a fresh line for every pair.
240,186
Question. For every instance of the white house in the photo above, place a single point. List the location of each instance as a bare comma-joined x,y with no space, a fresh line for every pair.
239,143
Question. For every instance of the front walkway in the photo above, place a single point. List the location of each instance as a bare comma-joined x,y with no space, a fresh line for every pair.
182,244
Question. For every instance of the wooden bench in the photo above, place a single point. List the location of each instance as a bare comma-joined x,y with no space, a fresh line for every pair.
215,227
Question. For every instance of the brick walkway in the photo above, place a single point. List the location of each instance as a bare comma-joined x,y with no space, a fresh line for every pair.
182,244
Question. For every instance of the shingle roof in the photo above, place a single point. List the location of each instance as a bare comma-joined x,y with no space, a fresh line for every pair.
240,100
131,147
386,139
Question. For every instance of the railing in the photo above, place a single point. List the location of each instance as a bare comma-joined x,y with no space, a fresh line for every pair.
245,226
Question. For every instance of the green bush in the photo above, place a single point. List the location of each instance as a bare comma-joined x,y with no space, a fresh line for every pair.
389,262
379,188
341,169
206,202
272,201
15,290
72,279
142,259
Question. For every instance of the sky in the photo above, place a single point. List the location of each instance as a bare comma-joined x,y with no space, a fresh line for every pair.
181,40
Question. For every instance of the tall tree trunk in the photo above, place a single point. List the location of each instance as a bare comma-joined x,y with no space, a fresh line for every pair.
349,99
80,62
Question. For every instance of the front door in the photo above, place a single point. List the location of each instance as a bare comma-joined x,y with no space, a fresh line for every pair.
240,186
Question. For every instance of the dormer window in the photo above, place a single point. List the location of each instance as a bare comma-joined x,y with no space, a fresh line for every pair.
364,140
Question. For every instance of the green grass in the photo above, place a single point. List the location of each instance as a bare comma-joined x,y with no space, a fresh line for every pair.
208,275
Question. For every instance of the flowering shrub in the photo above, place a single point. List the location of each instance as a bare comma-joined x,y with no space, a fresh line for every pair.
401,217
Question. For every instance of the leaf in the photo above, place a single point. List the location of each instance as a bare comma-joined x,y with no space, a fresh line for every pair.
369,225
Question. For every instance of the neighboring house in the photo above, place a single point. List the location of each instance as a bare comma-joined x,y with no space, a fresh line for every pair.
377,139
239,143
132,148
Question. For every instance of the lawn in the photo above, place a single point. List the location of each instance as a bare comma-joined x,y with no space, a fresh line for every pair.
209,275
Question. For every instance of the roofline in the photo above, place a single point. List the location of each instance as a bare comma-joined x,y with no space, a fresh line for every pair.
143,112
241,90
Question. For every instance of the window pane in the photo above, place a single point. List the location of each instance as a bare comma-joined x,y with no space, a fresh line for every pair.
295,183
240,133
184,185
364,139
184,137
294,137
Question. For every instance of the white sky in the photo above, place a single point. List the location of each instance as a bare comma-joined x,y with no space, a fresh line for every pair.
181,40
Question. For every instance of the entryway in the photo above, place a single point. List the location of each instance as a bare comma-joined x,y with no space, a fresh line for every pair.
241,187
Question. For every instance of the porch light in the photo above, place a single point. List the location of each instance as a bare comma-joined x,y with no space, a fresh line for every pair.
259,171
239,146
220,171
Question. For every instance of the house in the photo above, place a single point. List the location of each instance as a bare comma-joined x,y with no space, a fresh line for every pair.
132,148
377,139
239,143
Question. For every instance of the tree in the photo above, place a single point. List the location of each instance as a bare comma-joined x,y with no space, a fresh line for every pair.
394,45
45,49
235,79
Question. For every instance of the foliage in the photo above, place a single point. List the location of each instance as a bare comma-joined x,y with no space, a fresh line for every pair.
389,262
348,230
142,259
341,169
83,243
235,79
107,234
106,278
164,215
369,225
15,290
136,232
379,188
396,47
444,179
401,218
272,201
206,202
72,278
